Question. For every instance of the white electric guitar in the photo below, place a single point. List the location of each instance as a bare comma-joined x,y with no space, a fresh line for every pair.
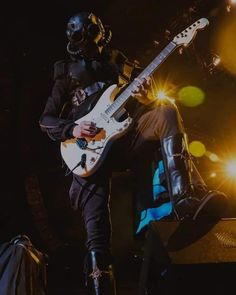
83,156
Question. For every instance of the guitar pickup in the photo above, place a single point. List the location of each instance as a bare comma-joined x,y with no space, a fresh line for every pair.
82,143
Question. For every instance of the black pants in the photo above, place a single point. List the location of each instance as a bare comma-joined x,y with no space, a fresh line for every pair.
91,194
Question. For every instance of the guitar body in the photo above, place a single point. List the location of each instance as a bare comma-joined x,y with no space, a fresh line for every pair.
92,150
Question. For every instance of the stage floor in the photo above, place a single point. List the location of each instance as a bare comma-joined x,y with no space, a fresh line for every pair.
191,279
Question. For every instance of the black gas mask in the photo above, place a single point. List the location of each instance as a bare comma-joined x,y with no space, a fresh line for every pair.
86,35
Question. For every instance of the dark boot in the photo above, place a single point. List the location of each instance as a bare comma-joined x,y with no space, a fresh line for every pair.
189,201
100,276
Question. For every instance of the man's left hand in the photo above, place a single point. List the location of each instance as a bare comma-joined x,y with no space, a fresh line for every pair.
140,92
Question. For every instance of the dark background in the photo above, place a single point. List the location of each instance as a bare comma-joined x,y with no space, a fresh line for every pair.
34,190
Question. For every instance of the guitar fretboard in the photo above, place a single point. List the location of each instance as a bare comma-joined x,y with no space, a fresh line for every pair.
123,97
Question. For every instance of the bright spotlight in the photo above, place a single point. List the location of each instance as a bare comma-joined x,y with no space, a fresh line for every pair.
161,95
231,168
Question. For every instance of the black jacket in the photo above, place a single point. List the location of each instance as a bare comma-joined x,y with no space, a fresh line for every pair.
73,76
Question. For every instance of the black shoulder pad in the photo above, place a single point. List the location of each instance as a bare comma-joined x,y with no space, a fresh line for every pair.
60,69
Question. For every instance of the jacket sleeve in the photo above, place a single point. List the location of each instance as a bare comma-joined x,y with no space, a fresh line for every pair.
58,129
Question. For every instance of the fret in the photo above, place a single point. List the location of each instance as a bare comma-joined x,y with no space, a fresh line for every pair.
123,97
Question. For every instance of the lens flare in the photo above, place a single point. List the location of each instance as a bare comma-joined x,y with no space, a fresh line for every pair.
213,174
214,157
191,96
197,148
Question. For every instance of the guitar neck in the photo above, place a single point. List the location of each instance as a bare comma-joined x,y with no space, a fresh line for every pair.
124,96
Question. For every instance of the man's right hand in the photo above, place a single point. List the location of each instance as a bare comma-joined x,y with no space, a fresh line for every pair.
85,128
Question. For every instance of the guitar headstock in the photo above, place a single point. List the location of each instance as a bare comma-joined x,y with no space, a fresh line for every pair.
187,35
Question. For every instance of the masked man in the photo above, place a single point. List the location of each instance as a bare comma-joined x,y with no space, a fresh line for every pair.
80,80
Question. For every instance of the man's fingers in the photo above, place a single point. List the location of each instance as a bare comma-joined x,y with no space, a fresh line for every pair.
85,128
91,127
136,89
139,87
88,123
142,84
88,133
143,80
148,81
138,95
